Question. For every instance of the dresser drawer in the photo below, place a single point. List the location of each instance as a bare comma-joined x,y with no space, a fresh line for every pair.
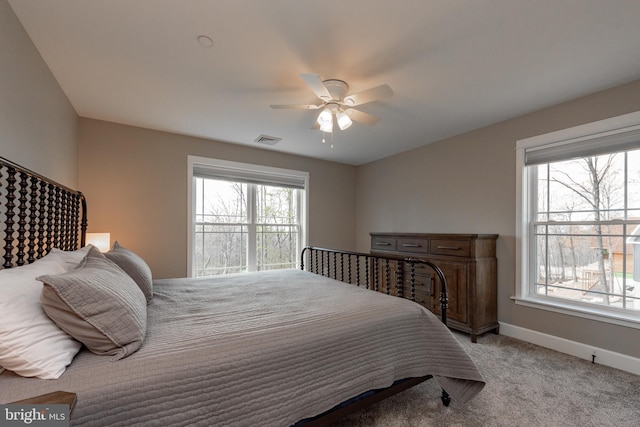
413,245
421,286
461,248
423,280
379,243
425,300
419,279
422,272
419,269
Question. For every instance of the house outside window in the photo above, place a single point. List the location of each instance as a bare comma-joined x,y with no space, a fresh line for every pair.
244,217
578,219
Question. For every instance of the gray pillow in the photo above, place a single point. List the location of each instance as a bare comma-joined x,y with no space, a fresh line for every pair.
99,305
135,267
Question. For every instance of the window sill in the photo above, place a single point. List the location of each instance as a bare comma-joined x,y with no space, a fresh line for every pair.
599,314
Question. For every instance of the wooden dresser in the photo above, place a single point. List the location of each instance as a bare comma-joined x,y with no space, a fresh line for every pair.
469,263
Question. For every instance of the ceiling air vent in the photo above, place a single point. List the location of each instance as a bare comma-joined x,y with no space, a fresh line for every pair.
268,140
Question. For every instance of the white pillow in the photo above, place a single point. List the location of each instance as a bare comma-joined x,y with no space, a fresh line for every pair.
72,258
31,345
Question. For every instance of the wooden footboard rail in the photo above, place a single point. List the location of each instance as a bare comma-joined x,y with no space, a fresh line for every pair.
372,272
37,214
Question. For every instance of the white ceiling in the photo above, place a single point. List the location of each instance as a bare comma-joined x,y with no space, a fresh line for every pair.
454,65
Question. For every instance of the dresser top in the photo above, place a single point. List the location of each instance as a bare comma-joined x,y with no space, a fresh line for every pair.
435,235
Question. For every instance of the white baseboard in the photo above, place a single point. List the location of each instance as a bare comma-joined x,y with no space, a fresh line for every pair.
573,348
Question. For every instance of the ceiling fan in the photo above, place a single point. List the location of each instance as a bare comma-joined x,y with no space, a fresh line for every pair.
336,103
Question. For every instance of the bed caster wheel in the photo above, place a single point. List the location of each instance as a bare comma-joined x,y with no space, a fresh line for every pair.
446,399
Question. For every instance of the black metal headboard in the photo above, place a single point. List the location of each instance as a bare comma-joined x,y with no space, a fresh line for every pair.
36,215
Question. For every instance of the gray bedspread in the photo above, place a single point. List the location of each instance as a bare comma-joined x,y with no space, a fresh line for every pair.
267,349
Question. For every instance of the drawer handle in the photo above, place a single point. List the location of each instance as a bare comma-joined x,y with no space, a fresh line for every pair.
411,245
453,248
383,243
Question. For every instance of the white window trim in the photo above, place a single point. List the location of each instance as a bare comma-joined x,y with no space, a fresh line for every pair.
611,126
226,164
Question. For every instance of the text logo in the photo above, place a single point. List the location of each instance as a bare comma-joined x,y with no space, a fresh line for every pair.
34,415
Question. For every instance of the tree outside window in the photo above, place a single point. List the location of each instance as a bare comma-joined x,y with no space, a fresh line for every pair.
586,221
242,226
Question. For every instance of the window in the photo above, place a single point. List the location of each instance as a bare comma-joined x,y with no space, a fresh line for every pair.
579,220
244,217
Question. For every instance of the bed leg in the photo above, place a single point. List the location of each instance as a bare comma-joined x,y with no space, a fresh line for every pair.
446,399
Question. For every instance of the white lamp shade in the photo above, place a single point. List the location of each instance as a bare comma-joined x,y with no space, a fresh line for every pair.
102,241
327,126
325,117
344,121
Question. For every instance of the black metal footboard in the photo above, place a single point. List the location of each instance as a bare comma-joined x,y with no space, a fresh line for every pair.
389,275
393,276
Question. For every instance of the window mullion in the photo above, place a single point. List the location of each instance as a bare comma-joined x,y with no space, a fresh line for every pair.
298,221
626,187
251,226
547,268
532,177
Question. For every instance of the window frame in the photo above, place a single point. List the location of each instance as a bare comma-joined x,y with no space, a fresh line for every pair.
607,129
253,172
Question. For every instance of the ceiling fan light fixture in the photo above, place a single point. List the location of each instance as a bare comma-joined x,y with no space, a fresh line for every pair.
336,102
325,116
327,126
344,121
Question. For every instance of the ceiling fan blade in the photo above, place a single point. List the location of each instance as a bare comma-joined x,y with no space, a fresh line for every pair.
361,117
369,95
317,86
300,107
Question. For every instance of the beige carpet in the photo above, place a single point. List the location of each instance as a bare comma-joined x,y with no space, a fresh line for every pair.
527,385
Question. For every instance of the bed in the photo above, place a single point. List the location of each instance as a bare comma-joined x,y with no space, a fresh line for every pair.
272,348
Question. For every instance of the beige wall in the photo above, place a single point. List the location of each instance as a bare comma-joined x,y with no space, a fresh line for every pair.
37,122
135,181
466,184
